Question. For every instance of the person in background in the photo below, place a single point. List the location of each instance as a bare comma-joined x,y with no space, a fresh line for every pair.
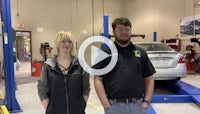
63,86
128,87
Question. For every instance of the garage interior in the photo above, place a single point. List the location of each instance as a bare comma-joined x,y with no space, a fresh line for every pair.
35,24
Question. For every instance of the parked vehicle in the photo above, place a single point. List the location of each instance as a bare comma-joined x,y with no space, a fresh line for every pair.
169,64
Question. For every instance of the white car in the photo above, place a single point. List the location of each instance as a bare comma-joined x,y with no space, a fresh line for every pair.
169,64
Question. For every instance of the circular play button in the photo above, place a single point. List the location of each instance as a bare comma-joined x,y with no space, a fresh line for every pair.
98,55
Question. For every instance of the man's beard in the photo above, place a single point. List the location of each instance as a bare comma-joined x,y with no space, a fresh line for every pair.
123,42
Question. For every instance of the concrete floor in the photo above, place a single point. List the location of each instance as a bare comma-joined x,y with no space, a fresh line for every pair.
30,104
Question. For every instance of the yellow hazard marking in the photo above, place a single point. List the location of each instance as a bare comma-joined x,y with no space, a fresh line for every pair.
3,108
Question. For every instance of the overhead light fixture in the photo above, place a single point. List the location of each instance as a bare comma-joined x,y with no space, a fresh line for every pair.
85,32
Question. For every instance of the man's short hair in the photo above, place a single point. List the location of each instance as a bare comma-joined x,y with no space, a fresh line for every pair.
122,20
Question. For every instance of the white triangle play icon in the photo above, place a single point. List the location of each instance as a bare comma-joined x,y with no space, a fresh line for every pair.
97,55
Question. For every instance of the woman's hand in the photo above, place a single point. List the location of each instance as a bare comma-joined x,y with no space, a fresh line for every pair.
45,103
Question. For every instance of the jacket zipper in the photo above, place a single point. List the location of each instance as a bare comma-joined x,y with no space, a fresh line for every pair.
67,98
66,88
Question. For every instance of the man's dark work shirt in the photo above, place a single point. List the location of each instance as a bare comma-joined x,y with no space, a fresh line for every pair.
126,80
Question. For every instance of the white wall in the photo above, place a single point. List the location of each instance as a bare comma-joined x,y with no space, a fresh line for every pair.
54,15
161,16
147,16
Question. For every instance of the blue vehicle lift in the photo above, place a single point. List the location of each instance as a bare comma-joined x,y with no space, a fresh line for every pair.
11,101
182,92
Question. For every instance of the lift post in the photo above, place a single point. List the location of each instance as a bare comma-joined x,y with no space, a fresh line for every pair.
12,104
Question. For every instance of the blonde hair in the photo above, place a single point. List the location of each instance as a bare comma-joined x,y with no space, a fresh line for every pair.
62,35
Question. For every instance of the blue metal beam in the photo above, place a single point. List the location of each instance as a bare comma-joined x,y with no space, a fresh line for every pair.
183,93
196,99
106,29
183,87
12,104
171,99
106,26
151,110
154,36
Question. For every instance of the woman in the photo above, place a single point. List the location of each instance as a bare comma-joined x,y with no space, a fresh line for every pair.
63,86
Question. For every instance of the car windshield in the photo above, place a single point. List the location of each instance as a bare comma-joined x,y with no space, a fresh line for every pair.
154,47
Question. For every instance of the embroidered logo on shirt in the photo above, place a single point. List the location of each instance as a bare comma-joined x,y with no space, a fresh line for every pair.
137,53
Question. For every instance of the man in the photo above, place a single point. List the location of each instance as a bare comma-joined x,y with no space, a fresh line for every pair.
128,88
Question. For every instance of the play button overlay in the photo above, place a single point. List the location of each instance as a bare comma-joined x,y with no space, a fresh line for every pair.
97,55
